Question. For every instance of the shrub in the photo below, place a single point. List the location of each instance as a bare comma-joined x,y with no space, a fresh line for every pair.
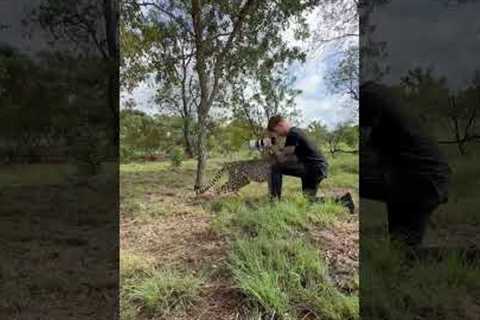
177,156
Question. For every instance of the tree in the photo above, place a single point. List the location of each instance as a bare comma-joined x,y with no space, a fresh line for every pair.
344,135
463,113
433,100
166,54
87,29
266,94
36,100
338,35
344,79
230,38
177,93
372,51
318,131
424,91
337,28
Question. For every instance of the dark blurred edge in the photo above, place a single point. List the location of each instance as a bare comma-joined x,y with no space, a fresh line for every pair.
425,54
59,192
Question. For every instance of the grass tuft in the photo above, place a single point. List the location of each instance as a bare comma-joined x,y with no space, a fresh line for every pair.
164,293
134,266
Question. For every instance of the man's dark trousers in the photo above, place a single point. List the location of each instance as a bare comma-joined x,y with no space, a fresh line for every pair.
310,174
410,201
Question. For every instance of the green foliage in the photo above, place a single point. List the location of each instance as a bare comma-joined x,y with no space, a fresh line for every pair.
37,100
88,151
344,78
143,135
446,114
344,138
232,137
177,156
139,134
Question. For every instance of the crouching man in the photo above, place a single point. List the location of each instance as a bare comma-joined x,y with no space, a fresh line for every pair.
310,165
401,165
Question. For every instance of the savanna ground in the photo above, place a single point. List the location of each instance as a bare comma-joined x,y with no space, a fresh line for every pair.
235,257
58,255
443,285
243,258
229,258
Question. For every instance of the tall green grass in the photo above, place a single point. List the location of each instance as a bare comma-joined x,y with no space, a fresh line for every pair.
164,293
281,274
393,289
152,292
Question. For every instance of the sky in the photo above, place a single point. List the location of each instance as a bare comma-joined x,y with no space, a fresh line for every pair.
316,102
429,33
15,33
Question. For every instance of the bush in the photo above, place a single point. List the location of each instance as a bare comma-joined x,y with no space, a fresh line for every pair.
177,156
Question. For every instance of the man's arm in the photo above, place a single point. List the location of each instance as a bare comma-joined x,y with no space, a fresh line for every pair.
284,154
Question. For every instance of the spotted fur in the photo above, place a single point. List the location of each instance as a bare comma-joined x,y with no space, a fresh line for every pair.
240,174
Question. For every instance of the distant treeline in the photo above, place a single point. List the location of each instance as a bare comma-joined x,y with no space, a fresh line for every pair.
145,136
47,102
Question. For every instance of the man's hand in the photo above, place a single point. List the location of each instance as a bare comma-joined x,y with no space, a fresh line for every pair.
279,156
284,154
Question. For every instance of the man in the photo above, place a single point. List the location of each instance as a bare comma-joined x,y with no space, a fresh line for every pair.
399,165
310,165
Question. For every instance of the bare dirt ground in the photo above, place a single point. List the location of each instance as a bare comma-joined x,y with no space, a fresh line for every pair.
186,242
57,263
341,248
183,239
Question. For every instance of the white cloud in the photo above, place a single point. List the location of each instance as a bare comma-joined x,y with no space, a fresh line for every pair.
329,109
317,102
310,83
143,96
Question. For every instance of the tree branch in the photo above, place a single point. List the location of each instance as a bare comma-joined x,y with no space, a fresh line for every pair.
246,9
178,20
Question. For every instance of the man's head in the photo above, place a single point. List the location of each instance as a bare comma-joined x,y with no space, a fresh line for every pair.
278,125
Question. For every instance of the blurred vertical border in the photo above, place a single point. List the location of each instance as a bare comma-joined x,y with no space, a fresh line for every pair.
59,159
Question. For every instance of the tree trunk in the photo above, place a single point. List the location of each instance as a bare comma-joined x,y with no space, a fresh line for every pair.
186,137
461,148
186,113
202,153
201,69
111,13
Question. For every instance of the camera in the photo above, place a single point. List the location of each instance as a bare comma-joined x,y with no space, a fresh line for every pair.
261,144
